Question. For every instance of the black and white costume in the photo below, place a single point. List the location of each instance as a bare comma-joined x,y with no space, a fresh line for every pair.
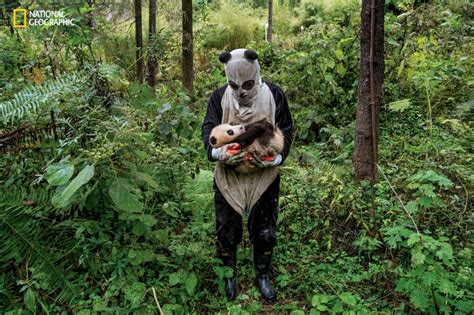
256,194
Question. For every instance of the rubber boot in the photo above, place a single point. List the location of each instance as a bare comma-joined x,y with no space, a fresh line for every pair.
229,259
262,260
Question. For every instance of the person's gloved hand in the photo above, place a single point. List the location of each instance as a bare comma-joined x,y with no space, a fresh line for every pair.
267,162
230,154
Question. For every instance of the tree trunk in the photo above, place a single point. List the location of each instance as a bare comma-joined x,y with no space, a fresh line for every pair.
270,20
364,159
90,17
187,45
138,40
152,60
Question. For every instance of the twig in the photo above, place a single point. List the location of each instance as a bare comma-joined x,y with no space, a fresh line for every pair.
399,199
465,191
156,300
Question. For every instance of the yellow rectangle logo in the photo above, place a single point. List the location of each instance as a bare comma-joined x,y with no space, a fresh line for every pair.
16,13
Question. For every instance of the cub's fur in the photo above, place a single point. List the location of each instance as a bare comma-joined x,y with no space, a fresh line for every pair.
259,138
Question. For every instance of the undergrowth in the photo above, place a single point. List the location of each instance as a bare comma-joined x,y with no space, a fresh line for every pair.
106,192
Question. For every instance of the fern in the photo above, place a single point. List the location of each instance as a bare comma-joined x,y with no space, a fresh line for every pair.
36,244
399,106
37,97
199,192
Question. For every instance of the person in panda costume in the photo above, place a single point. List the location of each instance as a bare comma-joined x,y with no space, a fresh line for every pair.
246,99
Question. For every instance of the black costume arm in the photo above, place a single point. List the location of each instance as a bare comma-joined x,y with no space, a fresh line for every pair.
212,119
283,119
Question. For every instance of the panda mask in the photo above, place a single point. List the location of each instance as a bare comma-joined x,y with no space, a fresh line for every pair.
243,74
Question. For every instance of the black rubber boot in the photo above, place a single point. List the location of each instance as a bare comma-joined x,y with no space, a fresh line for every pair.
229,259
262,260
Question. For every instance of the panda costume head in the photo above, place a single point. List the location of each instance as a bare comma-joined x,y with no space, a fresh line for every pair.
243,74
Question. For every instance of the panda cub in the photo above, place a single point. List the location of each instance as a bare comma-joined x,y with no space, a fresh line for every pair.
259,138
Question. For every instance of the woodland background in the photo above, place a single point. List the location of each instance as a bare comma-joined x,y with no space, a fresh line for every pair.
106,202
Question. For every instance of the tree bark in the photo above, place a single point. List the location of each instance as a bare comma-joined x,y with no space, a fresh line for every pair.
138,40
364,158
187,45
270,20
152,60
90,17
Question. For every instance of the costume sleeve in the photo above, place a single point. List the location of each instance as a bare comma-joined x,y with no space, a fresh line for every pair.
212,119
283,120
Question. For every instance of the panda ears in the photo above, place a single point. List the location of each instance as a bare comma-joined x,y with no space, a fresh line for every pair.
250,55
225,56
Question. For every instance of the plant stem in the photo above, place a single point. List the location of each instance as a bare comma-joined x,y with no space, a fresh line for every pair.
429,109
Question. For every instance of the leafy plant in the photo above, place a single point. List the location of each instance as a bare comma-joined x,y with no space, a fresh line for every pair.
38,98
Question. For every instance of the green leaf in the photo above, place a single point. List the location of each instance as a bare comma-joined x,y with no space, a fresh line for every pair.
400,68
399,106
425,201
418,258
139,229
136,257
228,272
447,286
297,312
147,219
219,272
445,253
411,207
169,309
444,181
59,173
428,278
427,190
420,299
320,299
63,196
191,283
339,54
99,305
330,63
322,308
465,306
30,300
393,42
348,298
134,293
123,197
413,239
328,78
337,308
175,278
340,69
170,209
147,179
38,98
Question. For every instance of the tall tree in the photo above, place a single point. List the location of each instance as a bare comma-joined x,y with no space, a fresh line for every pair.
90,17
140,65
152,60
270,20
364,159
187,45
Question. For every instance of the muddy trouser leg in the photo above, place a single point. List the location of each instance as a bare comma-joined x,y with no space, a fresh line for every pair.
228,236
262,230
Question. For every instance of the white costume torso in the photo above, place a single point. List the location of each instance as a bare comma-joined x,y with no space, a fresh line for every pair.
242,191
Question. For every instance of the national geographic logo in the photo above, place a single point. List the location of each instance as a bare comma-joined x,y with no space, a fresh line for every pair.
19,18
23,18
